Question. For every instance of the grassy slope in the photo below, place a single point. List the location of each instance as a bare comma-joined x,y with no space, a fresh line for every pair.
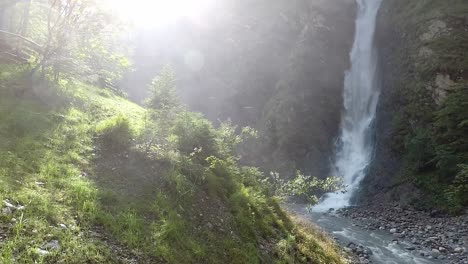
107,205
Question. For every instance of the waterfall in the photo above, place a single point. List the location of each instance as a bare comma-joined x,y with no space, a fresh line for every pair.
361,94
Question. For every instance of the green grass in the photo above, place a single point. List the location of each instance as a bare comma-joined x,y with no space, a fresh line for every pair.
69,155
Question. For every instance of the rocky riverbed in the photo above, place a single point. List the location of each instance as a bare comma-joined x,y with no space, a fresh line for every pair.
436,237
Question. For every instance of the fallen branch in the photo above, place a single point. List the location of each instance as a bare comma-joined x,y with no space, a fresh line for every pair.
34,44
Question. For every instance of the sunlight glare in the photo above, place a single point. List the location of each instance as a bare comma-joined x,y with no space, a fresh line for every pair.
159,12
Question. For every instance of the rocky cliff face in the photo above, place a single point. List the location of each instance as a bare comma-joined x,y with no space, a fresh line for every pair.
302,116
423,48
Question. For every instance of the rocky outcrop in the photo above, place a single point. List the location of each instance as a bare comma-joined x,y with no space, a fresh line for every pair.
301,119
423,52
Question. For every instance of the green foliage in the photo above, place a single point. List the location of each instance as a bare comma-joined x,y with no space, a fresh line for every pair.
200,210
420,150
451,132
163,98
434,155
457,193
303,186
71,39
163,107
229,140
115,132
195,136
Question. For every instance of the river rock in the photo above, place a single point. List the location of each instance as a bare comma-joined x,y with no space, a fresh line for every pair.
423,231
458,250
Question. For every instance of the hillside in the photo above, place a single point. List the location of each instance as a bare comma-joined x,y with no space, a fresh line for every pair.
77,187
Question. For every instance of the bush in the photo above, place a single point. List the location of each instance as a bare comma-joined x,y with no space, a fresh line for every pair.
163,92
456,195
115,133
195,136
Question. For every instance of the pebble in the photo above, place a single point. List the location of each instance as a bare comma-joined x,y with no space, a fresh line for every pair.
53,245
42,252
458,250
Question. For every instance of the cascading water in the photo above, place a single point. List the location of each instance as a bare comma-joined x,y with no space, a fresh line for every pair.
361,95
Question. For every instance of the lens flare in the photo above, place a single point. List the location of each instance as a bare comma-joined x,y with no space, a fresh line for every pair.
158,12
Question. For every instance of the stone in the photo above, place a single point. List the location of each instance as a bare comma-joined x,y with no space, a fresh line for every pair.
411,248
359,250
442,85
40,184
9,205
53,245
435,253
393,230
42,252
7,211
436,28
458,250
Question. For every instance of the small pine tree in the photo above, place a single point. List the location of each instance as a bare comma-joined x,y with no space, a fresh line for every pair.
163,96
163,106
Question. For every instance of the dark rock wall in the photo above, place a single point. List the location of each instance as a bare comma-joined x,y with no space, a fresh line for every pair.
423,54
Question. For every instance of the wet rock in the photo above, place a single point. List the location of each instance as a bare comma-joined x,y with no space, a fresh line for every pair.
393,230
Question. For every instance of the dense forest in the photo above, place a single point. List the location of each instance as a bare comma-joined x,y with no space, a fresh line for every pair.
251,131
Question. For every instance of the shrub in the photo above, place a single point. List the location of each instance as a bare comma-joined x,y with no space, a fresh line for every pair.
115,133
456,195
195,135
163,92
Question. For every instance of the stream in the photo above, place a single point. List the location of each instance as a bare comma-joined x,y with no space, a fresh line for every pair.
380,243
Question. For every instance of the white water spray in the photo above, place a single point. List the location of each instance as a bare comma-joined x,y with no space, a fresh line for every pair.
361,95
